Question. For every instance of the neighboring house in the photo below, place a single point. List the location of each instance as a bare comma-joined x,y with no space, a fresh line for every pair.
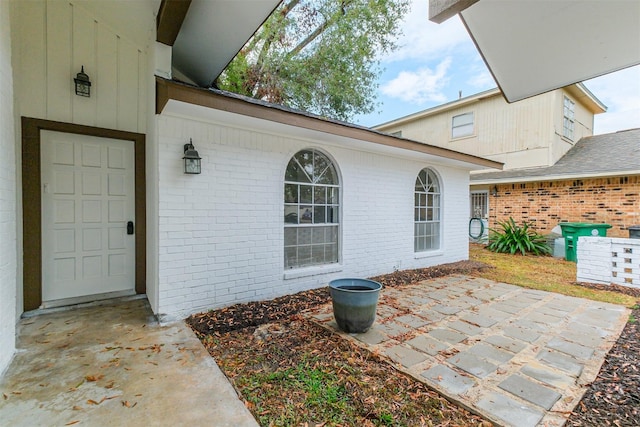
95,201
598,180
529,136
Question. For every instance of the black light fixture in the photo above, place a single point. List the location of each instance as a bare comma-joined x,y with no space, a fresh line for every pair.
494,190
83,85
191,159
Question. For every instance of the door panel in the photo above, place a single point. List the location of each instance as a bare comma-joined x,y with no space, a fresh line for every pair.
87,200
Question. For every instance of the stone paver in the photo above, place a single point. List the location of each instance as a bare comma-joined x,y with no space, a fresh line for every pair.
405,355
530,391
487,351
561,361
510,410
506,343
448,335
472,364
519,357
521,333
479,320
447,378
572,349
545,374
427,345
464,327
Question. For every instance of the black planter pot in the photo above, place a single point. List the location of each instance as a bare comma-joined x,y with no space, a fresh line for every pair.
354,303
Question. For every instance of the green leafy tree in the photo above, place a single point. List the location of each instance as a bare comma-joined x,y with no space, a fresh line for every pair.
318,55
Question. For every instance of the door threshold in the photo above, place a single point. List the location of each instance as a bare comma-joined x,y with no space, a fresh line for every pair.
82,302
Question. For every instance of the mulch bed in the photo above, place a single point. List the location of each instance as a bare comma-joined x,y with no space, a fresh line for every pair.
613,399
258,313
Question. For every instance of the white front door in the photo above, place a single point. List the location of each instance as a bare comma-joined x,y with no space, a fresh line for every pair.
87,203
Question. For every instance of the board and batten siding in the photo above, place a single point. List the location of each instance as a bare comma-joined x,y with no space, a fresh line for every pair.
8,249
221,233
522,134
54,40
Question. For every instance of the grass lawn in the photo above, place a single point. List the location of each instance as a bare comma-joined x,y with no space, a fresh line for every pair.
542,273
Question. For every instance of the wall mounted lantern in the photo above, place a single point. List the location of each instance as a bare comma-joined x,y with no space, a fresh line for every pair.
494,190
191,159
83,85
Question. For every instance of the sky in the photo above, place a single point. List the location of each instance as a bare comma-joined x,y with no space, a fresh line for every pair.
435,62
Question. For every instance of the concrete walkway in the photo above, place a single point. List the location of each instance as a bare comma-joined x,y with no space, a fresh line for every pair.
518,357
111,364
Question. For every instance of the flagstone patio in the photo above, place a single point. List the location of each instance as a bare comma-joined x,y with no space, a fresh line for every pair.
517,356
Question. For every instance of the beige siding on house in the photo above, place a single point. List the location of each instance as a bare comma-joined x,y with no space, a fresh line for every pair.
56,39
523,134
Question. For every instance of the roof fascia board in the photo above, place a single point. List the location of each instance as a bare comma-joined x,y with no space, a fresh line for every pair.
166,90
440,108
441,10
588,98
170,18
586,175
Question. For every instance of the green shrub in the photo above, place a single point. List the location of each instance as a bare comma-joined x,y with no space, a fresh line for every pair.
513,238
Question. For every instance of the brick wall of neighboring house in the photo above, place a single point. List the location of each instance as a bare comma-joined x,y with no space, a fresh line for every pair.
7,196
221,233
614,201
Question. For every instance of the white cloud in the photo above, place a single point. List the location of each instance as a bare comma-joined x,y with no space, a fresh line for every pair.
419,87
620,92
425,40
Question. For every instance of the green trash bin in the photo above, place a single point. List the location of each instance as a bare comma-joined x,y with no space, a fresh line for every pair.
572,230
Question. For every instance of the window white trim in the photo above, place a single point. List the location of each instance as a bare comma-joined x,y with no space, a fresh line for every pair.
568,118
315,270
463,125
428,209
312,210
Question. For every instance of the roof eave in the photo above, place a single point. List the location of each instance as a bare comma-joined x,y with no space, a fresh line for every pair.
169,90
557,177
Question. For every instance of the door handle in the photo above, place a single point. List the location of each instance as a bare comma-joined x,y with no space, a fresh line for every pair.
130,227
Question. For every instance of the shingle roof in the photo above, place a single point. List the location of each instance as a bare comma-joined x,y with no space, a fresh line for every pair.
612,153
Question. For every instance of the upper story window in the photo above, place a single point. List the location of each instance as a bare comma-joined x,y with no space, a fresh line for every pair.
311,204
427,211
569,109
397,134
462,125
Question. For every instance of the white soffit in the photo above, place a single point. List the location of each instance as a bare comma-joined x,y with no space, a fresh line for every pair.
213,32
534,46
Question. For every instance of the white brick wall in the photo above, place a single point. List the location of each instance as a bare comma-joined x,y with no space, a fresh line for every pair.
609,260
221,232
7,196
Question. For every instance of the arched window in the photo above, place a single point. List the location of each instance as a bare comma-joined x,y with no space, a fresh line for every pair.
427,212
311,204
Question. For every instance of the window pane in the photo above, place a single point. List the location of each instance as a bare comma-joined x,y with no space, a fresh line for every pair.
333,195
319,215
290,236
291,214
291,193
306,215
304,255
332,214
290,258
463,119
461,131
318,235
304,236
306,194
295,173
320,195
305,160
